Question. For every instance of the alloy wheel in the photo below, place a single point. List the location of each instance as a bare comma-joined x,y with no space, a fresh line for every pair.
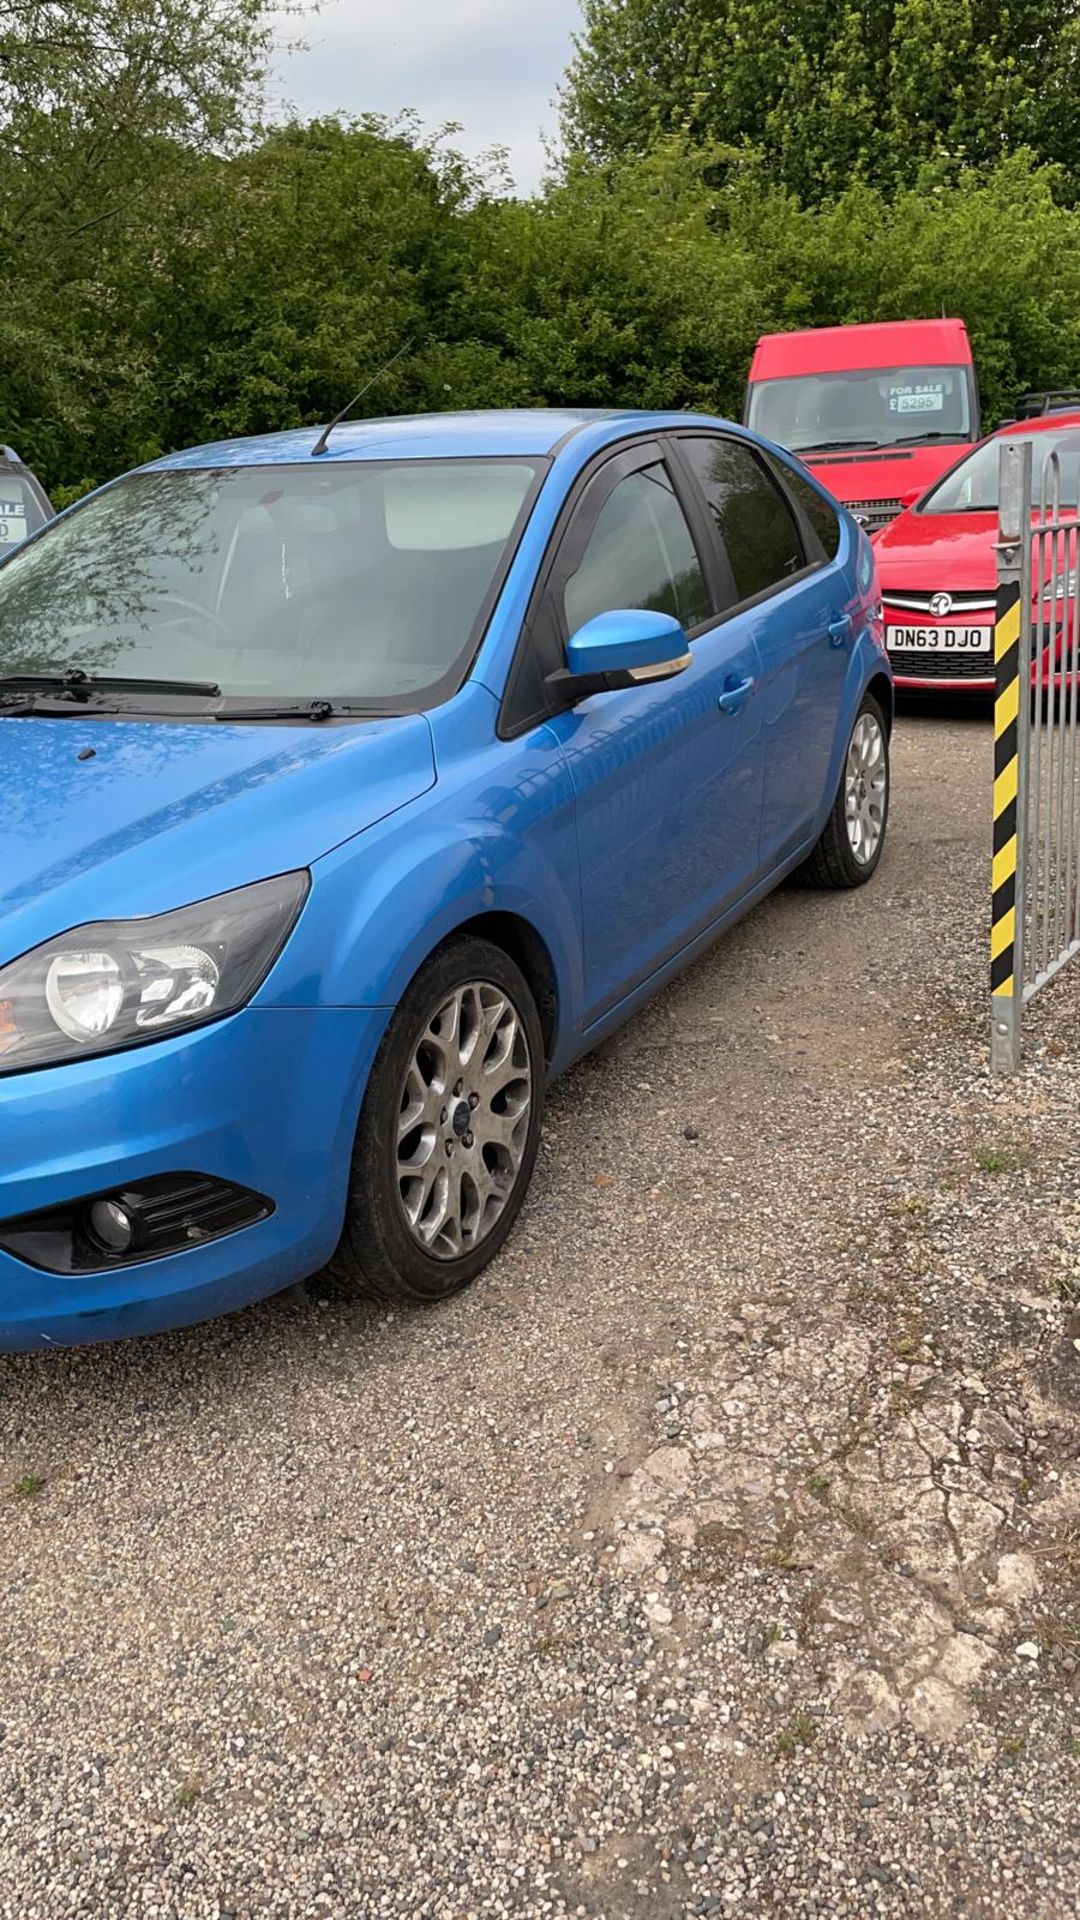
866,781
463,1120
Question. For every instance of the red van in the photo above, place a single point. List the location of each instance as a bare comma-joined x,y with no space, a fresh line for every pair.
877,412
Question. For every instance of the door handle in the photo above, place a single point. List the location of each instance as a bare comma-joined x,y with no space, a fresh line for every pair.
839,629
735,692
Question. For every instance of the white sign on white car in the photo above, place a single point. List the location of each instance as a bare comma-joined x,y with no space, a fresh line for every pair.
13,527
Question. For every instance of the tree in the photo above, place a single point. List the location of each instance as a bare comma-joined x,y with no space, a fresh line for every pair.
295,269
102,105
830,91
647,284
612,290
258,286
91,89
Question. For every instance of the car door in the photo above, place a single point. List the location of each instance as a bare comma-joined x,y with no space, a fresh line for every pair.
788,588
667,775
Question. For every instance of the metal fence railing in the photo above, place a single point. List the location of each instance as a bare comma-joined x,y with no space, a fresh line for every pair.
1035,921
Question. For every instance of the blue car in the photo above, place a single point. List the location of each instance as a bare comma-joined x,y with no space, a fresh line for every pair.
352,788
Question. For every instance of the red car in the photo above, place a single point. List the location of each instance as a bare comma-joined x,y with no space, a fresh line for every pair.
876,411
938,569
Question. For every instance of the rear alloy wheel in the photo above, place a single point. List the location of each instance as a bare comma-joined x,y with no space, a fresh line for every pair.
851,845
449,1129
866,788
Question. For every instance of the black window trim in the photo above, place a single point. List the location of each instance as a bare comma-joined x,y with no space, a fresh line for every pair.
715,563
976,433
618,460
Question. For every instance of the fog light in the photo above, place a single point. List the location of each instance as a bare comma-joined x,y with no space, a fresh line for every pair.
163,1214
111,1225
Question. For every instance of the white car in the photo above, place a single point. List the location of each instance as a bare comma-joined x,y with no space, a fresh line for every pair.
24,504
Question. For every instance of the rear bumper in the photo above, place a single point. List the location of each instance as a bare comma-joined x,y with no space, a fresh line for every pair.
268,1098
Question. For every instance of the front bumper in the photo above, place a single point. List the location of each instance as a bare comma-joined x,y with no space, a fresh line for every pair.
1051,667
942,682
268,1098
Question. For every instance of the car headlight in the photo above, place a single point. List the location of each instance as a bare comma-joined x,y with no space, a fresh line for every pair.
118,983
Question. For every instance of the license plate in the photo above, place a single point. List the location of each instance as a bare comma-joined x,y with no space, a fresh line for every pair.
939,639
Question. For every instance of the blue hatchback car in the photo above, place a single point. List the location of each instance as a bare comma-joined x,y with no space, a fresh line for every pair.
348,795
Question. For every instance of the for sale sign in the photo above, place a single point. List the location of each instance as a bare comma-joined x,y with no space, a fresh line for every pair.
922,396
12,522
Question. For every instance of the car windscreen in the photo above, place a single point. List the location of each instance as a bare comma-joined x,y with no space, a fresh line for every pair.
20,512
972,486
863,407
360,580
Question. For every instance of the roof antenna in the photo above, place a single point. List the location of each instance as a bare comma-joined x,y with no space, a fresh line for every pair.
323,441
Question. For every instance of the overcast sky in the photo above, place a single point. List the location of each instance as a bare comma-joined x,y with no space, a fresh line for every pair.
493,65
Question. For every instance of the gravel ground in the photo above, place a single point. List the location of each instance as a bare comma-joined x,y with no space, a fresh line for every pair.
720,1552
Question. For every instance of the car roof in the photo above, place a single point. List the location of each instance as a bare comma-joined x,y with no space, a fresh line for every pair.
1042,423
521,432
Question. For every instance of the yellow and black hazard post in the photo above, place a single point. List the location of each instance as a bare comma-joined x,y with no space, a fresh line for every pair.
1003,913
1012,705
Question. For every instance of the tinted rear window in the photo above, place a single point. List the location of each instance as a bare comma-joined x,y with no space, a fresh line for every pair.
751,515
816,508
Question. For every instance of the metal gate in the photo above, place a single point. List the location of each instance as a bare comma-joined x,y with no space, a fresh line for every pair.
1035,921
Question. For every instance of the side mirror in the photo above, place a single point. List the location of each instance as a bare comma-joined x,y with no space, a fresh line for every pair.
635,642
909,497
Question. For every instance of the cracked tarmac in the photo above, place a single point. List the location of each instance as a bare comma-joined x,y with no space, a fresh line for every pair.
718,1553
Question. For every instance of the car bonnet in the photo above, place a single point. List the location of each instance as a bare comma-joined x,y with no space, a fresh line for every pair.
103,819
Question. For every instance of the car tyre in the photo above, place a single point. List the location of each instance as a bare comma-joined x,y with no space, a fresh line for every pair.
851,845
449,1128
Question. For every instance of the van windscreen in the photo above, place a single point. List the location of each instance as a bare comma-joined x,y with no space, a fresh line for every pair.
863,407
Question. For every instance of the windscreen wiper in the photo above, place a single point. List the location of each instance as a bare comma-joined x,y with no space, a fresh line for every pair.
916,439
46,703
14,704
313,710
835,446
75,683
28,698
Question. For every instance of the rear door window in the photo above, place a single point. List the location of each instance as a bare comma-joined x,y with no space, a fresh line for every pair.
816,508
751,516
